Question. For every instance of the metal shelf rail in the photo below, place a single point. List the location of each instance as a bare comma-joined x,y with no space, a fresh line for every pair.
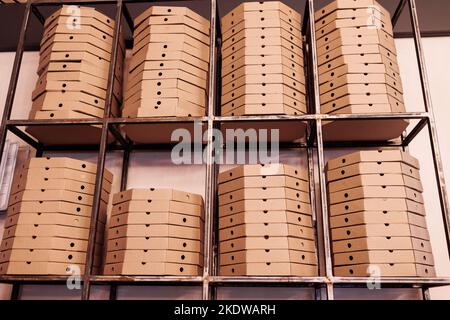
210,281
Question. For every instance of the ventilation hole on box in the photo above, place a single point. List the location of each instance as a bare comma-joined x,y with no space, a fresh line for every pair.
184,244
347,207
52,115
78,209
265,211
349,232
266,237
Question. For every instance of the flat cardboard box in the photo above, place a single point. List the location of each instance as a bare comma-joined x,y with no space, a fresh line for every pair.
146,38
47,231
365,192
271,256
127,256
251,217
266,60
274,69
148,243
169,107
396,204
263,6
263,181
381,243
379,230
69,86
51,106
82,12
169,11
374,109
380,155
266,230
83,32
264,204
45,243
386,270
166,47
39,268
263,79
165,74
345,5
156,231
372,168
383,256
261,36
175,20
275,169
265,243
196,99
61,25
264,89
24,255
370,21
51,195
48,219
360,94
338,58
144,30
361,78
230,22
273,103
74,39
157,206
375,180
152,268
155,218
64,162
263,193
377,217
157,194
269,269
78,66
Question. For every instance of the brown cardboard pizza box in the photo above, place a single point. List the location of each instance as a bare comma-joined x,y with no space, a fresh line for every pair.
157,194
82,34
203,27
47,243
261,43
260,36
369,21
379,230
365,192
387,155
81,12
40,268
263,181
362,108
152,268
264,204
273,103
81,67
158,206
62,172
392,204
385,270
48,231
265,217
296,66
263,6
127,256
361,78
258,256
258,89
198,99
170,107
336,59
381,243
155,231
260,79
65,162
155,218
263,193
169,11
274,169
167,47
349,5
165,74
333,12
266,230
376,217
372,168
64,24
54,195
48,105
269,269
143,30
273,69
69,86
56,206
352,33
359,94
49,218
383,256
257,23
169,38
260,17
265,243
31,255
74,39
148,243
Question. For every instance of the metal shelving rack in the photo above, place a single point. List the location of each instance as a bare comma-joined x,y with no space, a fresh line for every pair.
314,145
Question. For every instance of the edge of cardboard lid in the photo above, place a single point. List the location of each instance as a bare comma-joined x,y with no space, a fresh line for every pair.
192,197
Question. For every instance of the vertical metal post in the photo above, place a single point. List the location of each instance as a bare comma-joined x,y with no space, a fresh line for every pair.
102,155
434,142
16,291
210,166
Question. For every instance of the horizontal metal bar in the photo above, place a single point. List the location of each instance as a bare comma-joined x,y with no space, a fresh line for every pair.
305,117
157,120
374,116
146,279
392,281
35,279
54,122
308,281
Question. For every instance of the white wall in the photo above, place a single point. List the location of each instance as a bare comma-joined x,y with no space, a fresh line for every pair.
155,170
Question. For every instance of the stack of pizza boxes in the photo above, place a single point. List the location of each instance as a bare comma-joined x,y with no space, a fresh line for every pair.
262,60
265,222
167,74
358,69
49,218
75,55
155,232
377,215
